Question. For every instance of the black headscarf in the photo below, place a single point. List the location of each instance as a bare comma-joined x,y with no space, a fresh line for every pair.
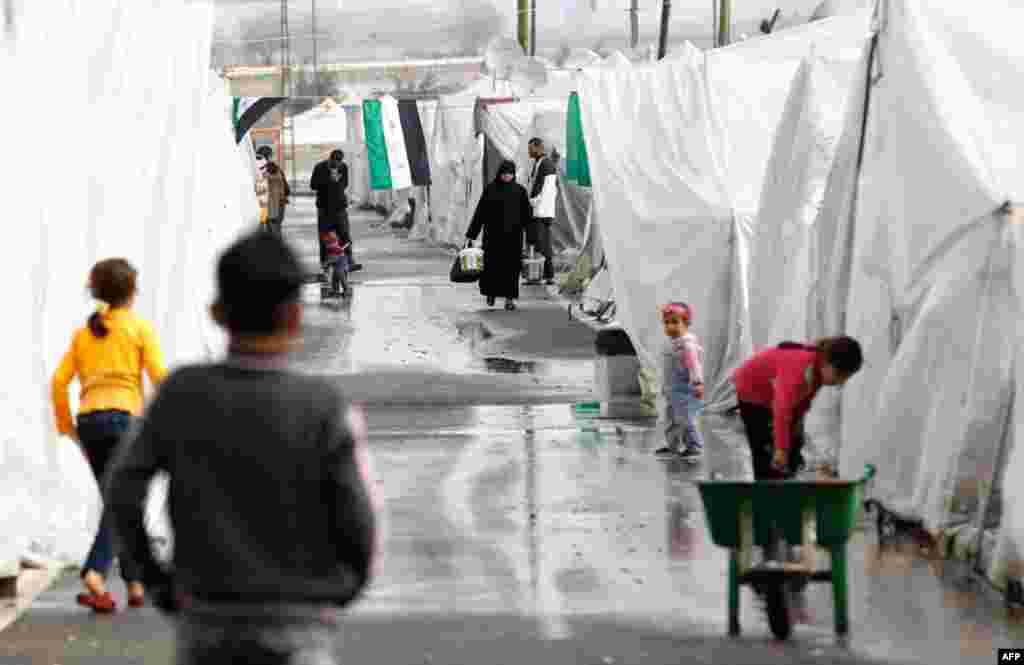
507,166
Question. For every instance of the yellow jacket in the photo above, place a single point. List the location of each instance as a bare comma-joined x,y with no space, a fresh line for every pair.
109,370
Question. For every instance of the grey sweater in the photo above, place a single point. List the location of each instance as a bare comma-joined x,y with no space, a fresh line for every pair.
267,502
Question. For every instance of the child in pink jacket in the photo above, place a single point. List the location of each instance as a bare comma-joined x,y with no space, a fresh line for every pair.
775,389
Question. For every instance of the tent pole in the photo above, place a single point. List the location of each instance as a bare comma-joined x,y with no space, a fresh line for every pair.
1000,461
634,23
533,27
666,9
316,60
866,110
714,23
524,23
724,22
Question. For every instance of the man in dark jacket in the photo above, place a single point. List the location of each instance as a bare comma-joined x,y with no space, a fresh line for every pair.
543,189
271,500
330,181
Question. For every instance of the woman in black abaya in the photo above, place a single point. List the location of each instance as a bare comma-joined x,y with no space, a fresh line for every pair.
503,212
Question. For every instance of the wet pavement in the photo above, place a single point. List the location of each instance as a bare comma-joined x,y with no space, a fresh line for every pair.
523,529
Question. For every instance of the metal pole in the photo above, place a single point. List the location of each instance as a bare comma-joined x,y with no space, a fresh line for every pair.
666,8
524,24
634,23
725,22
286,63
533,27
316,60
714,23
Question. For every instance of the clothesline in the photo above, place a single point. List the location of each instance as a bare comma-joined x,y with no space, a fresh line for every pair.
474,104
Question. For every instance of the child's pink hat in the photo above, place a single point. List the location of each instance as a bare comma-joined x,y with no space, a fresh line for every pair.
680,308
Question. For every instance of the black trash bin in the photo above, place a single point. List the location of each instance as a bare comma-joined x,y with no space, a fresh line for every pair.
614,342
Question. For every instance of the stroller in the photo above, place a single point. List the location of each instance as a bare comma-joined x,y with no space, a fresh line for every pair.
338,267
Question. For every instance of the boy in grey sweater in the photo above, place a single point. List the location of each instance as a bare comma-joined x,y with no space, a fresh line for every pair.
270,495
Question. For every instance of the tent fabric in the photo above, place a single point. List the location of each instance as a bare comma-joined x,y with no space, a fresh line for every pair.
787,266
577,169
454,160
931,293
677,181
508,129
168,194
249,110
322,124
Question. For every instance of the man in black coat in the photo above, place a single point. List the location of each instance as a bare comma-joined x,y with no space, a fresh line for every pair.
329,181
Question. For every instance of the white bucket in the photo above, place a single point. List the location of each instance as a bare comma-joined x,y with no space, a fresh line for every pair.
533,269
471,260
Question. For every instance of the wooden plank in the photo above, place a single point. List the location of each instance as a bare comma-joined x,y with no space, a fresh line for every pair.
31,583
8,587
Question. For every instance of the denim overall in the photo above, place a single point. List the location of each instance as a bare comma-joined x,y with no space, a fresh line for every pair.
683,405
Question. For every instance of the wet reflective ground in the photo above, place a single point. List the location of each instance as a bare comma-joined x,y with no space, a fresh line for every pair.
532,531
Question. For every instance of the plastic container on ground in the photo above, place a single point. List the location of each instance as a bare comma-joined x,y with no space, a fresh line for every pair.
533,267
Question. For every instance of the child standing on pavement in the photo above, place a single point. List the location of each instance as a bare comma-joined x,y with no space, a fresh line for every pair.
108,355
682,383
336,255
270,497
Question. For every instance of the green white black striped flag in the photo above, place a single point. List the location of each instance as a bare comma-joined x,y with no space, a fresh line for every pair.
247,111
577,168
396,147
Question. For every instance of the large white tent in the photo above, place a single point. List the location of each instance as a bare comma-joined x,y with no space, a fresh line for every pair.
325,123
165,188
455,160
677,181
931,256
915,252
902,230
465,134
601,289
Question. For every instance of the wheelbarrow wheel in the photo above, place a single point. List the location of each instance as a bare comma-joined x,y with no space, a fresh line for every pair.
776,600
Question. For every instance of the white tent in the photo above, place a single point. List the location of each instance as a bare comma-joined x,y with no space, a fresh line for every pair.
168,194
601,288
787,257
455,155
914,250
677,181
929,289
326,123
543,114
916,254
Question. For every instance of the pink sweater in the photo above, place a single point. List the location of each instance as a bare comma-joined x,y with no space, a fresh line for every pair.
783,380
689,351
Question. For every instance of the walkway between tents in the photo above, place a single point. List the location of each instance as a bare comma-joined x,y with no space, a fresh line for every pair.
526,532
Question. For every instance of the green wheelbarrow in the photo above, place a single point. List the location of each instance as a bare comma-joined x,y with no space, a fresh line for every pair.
772,514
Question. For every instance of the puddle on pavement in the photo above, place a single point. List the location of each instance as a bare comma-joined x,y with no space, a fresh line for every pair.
569,371
473,332
507,366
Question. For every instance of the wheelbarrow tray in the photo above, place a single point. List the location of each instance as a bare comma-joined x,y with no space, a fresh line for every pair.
741,515
834,504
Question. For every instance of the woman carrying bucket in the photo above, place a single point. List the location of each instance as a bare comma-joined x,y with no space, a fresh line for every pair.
503,212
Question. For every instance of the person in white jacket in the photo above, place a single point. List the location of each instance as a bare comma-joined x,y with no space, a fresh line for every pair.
543,188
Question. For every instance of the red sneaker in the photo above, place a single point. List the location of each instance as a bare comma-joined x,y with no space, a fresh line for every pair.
103,603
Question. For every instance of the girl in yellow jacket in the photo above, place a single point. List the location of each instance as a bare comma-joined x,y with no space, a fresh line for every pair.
108,355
